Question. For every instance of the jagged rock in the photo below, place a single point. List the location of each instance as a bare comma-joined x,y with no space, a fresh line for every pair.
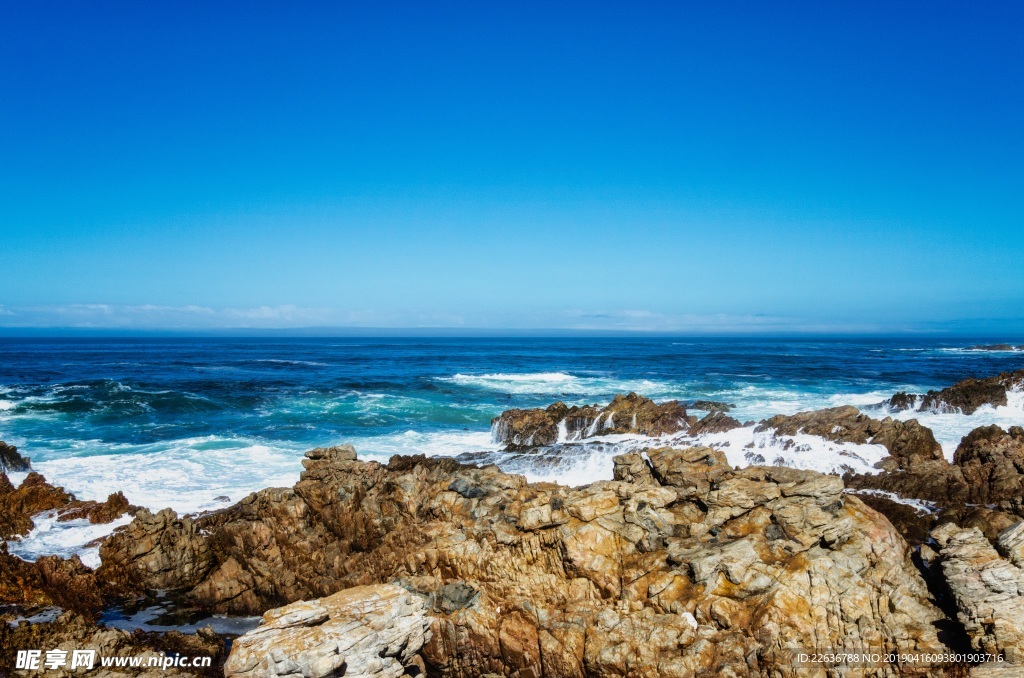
34,496
96,512
155,552
10,460
364,631
995,347
682,567
988,589
992,463
964,396
631,413
71,631
715,422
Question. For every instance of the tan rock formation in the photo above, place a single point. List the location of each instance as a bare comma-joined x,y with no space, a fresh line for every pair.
683,568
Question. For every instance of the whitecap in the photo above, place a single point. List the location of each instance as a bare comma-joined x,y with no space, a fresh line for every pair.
51,537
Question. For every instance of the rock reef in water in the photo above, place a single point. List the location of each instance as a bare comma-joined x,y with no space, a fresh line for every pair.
10,460
34,496
679,567
540,427
847,424
965,396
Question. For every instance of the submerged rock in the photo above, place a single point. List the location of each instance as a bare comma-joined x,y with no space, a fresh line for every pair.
363,631
519,429
710,406
681,566
964,396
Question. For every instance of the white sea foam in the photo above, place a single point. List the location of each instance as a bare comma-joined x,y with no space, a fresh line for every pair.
433,444
559,384
950,427
49,536
747,447
918,505
187,475
6,405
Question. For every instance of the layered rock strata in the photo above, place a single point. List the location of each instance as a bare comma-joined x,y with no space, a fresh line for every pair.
987,587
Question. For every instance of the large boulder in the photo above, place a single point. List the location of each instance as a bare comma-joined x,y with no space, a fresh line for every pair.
682,566
964,396
366,631
520,429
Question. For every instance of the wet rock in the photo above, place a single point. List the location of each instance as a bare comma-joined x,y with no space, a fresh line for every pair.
680,567
988,589
519,429
995,347
715,422
964,396
992,463
363,631
95,512
19,504
10,460
155,551
710,406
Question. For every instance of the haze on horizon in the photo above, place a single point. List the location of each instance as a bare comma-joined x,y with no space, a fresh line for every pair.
750,168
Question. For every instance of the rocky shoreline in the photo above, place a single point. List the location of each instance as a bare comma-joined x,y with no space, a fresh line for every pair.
680,565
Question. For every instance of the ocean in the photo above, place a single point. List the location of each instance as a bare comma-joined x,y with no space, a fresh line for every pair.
193,424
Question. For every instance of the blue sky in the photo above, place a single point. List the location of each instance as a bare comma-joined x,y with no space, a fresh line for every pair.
681,167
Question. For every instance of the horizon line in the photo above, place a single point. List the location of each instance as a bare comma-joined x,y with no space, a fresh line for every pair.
348,332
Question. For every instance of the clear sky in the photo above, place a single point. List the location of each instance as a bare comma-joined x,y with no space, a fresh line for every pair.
683,167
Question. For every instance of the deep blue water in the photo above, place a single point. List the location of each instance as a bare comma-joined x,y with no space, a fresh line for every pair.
224,415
